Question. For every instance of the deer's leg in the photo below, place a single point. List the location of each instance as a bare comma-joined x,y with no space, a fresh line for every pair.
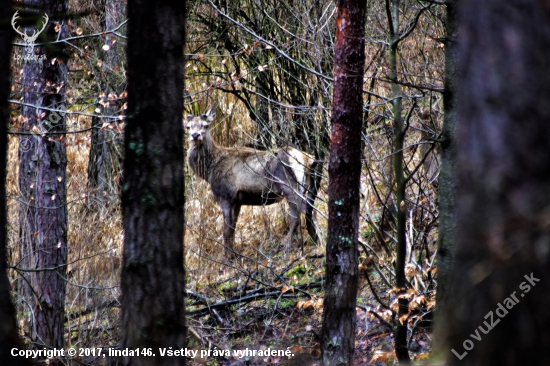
230,216
294,223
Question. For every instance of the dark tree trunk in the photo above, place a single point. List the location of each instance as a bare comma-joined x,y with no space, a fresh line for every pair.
447,178
153,277
264,130
9,337
338,333
42,181
502,263
105,163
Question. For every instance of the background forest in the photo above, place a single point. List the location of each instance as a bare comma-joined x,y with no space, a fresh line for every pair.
266,68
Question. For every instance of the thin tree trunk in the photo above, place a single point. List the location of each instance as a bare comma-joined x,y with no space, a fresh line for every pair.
261,113
42,181
319,138
338,333
401,350
153,276
105,162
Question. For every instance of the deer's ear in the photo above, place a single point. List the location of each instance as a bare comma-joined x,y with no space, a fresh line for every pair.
186,120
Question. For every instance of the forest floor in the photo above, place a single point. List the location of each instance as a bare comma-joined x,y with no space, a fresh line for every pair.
253,316
300,333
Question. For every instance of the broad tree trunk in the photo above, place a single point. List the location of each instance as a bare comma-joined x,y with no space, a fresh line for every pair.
42,181
338,333
153,276
502,264
9,337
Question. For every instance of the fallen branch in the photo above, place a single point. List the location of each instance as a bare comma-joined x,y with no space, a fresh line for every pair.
91,309
256,295
223,304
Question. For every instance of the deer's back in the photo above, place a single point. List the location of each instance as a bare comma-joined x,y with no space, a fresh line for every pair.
249,176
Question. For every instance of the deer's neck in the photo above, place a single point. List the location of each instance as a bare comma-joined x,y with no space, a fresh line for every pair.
203,157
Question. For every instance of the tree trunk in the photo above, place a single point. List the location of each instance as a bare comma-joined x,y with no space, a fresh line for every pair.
338,333
447,180
105,163
42,181
153,277
264,130
401,350
502,263
9,337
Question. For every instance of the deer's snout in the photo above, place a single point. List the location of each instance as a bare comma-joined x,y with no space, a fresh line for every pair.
195,136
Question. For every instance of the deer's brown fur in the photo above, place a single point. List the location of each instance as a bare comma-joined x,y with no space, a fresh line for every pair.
244,176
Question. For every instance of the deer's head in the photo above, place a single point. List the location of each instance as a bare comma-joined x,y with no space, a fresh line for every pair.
197,127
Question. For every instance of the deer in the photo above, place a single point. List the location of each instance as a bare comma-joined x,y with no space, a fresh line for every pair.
246,176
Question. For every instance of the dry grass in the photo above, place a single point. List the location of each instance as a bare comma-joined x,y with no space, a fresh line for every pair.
95,240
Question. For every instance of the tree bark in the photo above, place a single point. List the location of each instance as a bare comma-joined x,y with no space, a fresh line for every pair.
105,162
42,181
153,276
338,333
260,113
401,351
447,179
9,337
502,271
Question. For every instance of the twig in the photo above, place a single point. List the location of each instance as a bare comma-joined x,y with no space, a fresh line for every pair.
373,290
382,320
66,40
365,247
281,52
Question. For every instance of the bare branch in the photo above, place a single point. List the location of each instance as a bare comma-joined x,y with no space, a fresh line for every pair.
263,40
66,40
